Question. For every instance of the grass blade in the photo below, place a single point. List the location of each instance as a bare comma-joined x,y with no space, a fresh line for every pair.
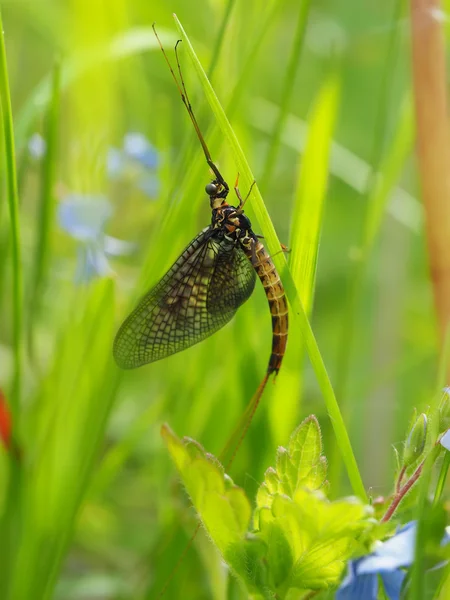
306,228
273,244
47,202
13,203
286,95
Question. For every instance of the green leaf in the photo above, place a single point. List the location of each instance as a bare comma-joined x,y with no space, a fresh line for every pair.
248,561
279,555
300,465
322,535
286,471
222,506
305,449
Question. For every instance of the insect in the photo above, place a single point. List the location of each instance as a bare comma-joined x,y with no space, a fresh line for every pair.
212,278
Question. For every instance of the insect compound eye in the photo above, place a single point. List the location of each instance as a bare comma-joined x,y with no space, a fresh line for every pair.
211,189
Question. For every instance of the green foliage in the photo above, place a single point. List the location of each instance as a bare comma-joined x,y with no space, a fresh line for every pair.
299,539
89,502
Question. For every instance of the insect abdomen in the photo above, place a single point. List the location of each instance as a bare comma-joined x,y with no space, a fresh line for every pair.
274,289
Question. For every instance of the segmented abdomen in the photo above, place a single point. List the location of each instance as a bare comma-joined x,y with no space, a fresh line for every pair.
273,287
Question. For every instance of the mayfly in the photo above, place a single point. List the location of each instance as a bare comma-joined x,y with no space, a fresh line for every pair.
211,279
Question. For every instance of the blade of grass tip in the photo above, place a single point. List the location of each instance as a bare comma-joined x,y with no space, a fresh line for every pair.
346,166
13,203
280,262
190,142
286,95
307,218
220,37
271,10
47,202
388,175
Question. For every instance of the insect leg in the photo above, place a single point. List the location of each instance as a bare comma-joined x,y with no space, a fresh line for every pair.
238,193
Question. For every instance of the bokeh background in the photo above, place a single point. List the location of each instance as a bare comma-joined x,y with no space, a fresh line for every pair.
111,188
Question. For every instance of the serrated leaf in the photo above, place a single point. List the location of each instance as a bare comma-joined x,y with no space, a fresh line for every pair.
263,496
247,560
321,535
222,506
286,471
279,553
305,449
317,475
272,481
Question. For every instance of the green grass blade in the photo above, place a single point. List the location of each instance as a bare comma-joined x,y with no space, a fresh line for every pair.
389,173
273,244
13,203
47,200
345,165
286,95
63,431
311,191
304,242
220,37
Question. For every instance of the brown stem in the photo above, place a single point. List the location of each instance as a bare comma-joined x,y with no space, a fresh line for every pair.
400,479
401,493
433,144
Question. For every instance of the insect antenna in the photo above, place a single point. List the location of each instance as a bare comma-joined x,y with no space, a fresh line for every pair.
185,98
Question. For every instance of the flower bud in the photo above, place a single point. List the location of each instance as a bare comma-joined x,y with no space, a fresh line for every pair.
444,410
415,442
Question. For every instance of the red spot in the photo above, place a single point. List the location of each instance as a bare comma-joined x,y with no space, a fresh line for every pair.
5,422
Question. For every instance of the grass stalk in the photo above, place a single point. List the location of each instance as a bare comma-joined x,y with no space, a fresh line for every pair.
286,95
13,204
280,262
47,201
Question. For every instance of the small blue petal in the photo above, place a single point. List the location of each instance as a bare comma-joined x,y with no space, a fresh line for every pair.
393,582
84,217
397,552
116,247
115,162
137,146
149,184
37,146
445,440
357,587
92,262
446,538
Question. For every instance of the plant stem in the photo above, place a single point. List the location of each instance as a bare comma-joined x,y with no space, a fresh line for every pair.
401,493
400,479
433,145
13,202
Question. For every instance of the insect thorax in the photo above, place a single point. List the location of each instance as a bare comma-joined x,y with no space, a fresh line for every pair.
233,224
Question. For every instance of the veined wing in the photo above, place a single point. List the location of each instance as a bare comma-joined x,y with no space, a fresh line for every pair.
197,296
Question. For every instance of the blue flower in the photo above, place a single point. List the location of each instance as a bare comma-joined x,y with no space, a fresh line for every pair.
37,146
137,146
84,218
136,161
388,562
445,440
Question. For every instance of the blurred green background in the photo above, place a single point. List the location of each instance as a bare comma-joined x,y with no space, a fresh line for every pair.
111,188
